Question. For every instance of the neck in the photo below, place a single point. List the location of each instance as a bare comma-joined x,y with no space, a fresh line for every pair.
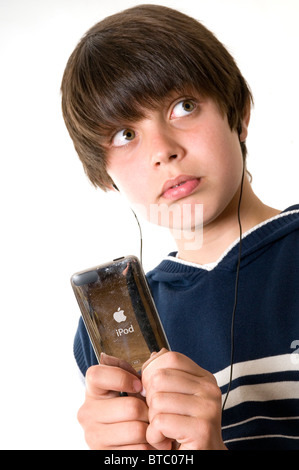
217,235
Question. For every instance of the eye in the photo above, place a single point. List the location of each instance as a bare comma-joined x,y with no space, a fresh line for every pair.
123,137
183,108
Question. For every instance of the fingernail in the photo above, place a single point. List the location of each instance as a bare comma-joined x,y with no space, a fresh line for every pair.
102,357
143,392
137,385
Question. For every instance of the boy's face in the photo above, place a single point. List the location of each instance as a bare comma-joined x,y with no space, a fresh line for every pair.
182,153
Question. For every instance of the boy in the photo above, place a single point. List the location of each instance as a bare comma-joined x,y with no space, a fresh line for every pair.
158,109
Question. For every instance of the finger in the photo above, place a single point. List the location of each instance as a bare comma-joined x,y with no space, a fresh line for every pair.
175,427
177,381
144,446
114,410
117,434
190,433
176,403
173,360
172,380
158,378
103,381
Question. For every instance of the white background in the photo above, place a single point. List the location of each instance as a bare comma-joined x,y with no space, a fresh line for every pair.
53,222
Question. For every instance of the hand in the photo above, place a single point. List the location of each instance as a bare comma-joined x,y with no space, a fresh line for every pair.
111,421
184,404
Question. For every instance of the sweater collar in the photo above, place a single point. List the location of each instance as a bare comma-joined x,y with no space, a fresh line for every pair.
257,237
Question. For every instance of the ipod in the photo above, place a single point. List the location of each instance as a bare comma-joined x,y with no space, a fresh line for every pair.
119,312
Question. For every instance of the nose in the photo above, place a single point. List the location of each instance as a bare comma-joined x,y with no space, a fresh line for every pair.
164,147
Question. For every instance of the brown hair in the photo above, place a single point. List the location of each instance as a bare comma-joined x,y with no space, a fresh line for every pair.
129,62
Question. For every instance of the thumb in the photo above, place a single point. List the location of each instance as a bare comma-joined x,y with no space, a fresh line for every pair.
116,362
154,356
103,381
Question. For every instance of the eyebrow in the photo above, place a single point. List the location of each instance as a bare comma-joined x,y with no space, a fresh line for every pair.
108,130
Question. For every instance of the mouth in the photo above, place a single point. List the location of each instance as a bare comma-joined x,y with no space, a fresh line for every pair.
180,187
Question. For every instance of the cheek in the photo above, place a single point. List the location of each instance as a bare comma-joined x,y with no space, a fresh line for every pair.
222,165
225,154
133,183
233,160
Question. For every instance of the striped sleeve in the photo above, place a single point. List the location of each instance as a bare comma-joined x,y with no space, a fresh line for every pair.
262,409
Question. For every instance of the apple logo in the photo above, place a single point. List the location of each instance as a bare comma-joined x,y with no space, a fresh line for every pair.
119,315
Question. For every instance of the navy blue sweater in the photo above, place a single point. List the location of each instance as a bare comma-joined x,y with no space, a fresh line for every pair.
195,305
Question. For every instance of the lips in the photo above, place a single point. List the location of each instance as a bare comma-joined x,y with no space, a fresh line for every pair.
179,187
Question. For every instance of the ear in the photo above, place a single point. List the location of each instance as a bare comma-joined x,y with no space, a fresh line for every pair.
245,124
